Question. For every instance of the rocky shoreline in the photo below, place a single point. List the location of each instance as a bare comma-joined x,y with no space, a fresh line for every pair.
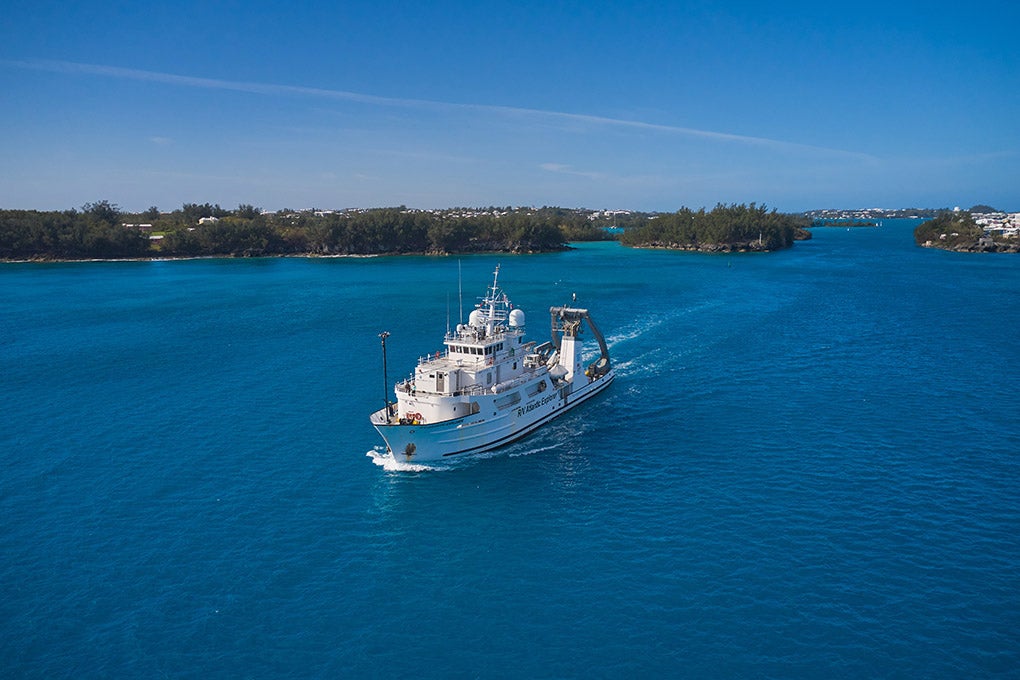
974,247
749,247
752,246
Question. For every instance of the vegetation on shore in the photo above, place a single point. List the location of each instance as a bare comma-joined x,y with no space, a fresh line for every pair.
957,231
102,231
948,230
726,228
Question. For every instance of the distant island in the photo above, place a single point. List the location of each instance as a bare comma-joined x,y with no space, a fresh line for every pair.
726,228
844,222
102,231
978,230
871,214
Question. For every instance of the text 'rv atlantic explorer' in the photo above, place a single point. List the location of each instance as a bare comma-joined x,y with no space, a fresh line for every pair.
490,386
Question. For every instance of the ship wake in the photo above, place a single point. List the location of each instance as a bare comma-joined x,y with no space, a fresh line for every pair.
386,461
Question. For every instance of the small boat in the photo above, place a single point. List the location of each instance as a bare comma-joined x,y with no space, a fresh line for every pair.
490,386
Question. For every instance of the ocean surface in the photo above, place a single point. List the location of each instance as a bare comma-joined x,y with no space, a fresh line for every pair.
808,466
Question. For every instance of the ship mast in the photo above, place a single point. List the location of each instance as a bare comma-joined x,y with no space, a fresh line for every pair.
490,324
386,380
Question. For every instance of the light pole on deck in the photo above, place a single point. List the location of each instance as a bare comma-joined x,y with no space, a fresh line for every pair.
386,380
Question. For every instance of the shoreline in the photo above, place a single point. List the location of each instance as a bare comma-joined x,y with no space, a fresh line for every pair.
974,247
309,256
172,258
720,248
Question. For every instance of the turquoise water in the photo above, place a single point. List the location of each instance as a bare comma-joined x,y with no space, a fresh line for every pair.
807,466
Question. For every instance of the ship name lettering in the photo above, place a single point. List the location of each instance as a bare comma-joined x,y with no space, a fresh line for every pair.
532,405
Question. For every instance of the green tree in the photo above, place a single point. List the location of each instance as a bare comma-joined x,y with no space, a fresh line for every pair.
247,211
102,211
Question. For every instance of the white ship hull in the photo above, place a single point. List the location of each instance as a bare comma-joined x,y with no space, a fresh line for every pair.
488,429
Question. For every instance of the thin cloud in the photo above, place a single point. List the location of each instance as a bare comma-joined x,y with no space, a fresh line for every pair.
564,169
343,95
206,83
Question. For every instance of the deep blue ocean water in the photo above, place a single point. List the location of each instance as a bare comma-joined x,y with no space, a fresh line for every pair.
807,467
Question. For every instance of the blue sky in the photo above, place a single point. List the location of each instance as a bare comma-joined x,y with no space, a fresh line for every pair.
640,105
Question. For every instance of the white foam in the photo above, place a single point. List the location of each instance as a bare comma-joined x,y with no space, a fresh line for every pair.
386,461
650,363
645,325
635,331
540,449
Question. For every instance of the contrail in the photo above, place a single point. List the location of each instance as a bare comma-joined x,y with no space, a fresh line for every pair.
343,95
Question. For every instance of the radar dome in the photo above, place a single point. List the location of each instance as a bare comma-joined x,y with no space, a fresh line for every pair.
476,318
516,317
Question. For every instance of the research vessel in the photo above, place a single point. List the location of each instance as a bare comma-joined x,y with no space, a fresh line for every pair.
489,385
